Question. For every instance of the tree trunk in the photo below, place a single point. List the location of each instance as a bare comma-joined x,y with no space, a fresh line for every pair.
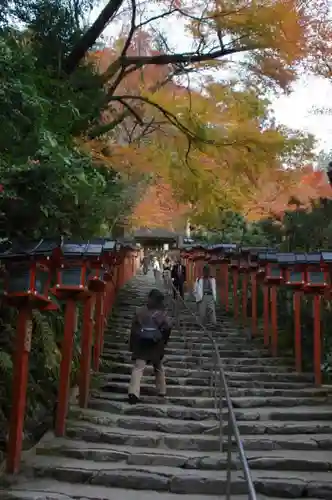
90,37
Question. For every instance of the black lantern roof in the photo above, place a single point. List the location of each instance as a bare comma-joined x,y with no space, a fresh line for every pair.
268,257
224,246
127,243
92,248
257,250
199,245
286,259
74,249
30,249
326,256
313,257
109,246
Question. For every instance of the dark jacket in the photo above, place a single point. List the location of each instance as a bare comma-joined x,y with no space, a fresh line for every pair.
150,353
178,279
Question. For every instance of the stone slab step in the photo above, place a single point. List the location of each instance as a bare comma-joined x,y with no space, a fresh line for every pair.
185,343
208,402
186,355
209,427
196,350
171,479
236,390
94,433
295,413
235,372
175,480
206,391
181,337
200,377
176,359
170,411
198,381
50,489
263,460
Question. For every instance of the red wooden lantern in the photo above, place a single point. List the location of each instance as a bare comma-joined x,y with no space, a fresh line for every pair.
109,259
71,281
293,266
316,275
244,261
316,283
26,286
273,273
326,263
234,262
97,269
28,272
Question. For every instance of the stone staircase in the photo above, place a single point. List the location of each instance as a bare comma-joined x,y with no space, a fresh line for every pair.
165,450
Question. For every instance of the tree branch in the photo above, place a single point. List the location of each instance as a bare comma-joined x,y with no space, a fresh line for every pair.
179,58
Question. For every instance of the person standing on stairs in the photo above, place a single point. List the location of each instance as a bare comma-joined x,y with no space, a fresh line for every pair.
167,276
157,271
178,276
205,292
150,331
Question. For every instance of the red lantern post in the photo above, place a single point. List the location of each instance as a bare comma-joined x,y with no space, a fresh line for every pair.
26,287
273,278
234,266
293,266
71,286
316,283
244,272
104,299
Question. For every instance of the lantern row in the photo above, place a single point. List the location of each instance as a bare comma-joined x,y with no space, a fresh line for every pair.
310,271
35,275
41,272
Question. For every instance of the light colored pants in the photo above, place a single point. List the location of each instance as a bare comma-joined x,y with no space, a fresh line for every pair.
137,374
207,310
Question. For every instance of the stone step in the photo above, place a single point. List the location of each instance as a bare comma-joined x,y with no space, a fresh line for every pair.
171,411
238,402
206,391
95,433
203,377
166,478
50,489
229,364
261,460
193,382
181,337
180,481
187,343
196,352
208,427
116,355
296,413
236,370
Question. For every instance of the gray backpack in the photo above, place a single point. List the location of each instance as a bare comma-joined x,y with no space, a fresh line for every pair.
150,331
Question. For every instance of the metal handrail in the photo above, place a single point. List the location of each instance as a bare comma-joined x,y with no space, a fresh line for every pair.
232,424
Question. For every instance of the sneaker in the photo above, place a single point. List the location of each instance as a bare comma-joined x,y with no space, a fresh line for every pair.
132,399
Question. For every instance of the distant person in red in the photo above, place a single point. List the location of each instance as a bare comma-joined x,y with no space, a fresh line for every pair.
178,276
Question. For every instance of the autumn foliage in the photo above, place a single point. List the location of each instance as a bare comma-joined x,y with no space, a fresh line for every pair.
198,121
158,208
